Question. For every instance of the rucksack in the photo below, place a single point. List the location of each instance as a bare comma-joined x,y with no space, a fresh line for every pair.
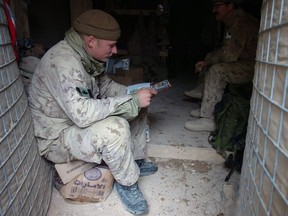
231,117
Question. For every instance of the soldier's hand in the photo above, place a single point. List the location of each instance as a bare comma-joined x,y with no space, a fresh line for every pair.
200,66
145,96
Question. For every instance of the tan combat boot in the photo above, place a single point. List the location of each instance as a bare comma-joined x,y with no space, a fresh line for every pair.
195,113
195,93
202,124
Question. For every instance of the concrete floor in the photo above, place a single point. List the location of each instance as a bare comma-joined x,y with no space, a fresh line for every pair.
190,179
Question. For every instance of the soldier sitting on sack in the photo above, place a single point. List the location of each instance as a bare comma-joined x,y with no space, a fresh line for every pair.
79,113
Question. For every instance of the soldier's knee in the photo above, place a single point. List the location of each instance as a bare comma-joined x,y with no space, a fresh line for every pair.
117,126
216,68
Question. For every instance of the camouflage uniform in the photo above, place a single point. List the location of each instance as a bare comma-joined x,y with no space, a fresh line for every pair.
71,123
233,62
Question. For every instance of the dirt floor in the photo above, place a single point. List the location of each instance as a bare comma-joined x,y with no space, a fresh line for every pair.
190,179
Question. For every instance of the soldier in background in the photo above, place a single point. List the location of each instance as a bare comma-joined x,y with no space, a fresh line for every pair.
233,62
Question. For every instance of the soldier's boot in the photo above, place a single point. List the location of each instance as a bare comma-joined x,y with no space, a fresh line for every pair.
195,93
132,198
195,113
146,168
202,124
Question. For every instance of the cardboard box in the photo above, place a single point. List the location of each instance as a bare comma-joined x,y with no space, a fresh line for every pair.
128,77
68,171
92,185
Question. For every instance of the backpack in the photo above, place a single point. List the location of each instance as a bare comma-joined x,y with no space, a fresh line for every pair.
231,119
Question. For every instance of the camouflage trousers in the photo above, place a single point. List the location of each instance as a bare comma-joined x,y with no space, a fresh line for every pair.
216,79
114,140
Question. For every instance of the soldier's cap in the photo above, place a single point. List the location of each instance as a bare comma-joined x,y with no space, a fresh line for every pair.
99,24
226,1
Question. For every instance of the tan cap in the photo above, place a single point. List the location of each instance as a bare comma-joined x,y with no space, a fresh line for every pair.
99,24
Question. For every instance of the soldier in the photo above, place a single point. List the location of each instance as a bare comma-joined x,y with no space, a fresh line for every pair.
79,113
233,62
